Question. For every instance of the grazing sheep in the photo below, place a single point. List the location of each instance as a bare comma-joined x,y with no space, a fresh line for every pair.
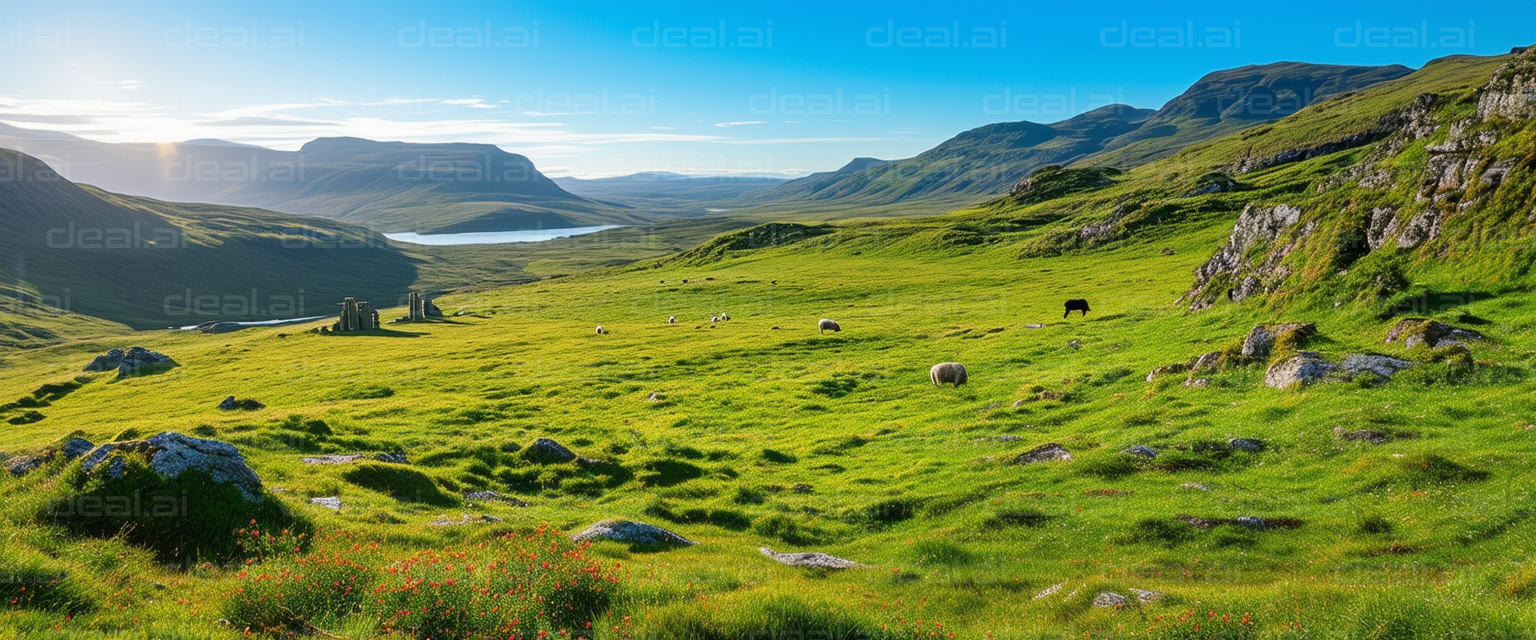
671,319
714,319
1076,304
601,330
950,372
824,325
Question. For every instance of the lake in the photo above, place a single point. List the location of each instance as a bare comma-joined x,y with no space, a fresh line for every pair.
495,237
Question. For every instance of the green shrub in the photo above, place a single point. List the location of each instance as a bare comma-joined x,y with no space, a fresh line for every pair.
1374,525
749,495
755,616
186,519
666,472
398,482
31,580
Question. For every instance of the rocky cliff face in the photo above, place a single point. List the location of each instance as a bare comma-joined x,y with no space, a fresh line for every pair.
1443,170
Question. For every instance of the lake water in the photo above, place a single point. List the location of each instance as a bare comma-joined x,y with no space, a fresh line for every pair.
495,237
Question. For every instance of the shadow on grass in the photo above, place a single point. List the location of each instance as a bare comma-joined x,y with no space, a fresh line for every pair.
377,333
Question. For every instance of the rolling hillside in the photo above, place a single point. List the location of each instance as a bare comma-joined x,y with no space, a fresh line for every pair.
148,263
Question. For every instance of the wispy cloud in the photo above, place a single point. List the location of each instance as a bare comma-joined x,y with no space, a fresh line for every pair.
739,124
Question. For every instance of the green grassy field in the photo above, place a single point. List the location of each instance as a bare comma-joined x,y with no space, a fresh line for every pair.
762,431
906,478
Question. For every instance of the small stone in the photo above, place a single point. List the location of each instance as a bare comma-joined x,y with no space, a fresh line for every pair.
1146,597
1249,521
1140,450
1194,486
332,502
1198,382
348,458
394,457
813,560
1246,444
1043,453
1300,370
1048,591
492,496
1034,326
630,532
1193,521
545,450
1109,599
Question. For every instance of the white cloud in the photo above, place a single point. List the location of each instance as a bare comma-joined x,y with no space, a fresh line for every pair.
739,124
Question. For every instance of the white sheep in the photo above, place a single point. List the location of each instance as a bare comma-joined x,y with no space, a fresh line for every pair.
671,319
947,372
601,330
824,325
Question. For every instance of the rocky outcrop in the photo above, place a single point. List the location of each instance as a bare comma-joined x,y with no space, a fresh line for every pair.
1355,364
1044,453
1257,227
546,451
1303,369
630,532
810,560
1260,340
216,326
1511,92
70,449
172,454
1432,333
135,361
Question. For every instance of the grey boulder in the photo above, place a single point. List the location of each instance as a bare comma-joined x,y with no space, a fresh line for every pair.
812,560
630,532
1300,370
172,454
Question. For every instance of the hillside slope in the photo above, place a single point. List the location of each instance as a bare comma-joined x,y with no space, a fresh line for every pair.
148,263
663,192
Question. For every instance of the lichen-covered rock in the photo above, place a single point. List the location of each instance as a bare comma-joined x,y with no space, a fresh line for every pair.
1355,364
1300,370
492,496
172,454
1109,599
1363,435
630,532
245,404
1257,226
332,502
812,560
71,448
1145,596
1511,92
1044,453
1246,444
1140,450
1166,369
1260,341
546,451
1416,331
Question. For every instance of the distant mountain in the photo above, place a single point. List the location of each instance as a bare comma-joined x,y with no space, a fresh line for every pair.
664,192
982,161
390,186
190,171
425,188
988,160
149,264
1232,99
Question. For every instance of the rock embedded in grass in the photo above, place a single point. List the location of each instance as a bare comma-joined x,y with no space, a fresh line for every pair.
247,404
546,451
1416,331
1363,435
1044,453
1304,368
348,458
1246,444
136,360
332,502
1145,596
814,560
1109,599
172,454
630,532
1140,450
492,496
1355,364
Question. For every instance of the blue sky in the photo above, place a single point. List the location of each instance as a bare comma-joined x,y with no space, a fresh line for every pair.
592,88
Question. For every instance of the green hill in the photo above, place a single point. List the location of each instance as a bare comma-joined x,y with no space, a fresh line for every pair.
148,263
664,192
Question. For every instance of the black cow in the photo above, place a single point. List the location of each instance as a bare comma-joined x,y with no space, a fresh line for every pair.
1076,305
